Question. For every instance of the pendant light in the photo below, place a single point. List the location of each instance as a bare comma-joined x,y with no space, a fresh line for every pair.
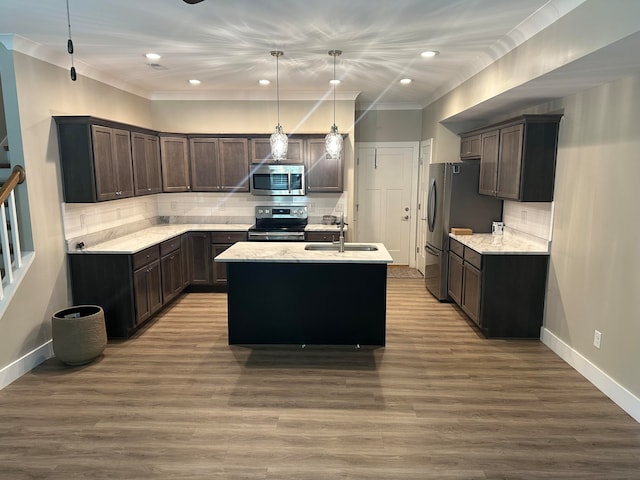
333,140
279,141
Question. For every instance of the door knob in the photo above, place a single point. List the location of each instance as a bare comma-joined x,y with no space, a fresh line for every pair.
406,217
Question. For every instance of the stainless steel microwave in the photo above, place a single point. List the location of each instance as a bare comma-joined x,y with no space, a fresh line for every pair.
277,179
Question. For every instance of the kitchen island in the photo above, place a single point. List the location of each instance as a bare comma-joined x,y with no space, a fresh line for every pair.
284,293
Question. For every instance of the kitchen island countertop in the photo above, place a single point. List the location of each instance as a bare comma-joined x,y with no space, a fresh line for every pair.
294,252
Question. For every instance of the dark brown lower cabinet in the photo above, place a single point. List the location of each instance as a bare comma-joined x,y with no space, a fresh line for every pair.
186,266
172,283
322,236
470,301
503,294
147,291
219,269
220,241
455,277
131,288
127,287
200,258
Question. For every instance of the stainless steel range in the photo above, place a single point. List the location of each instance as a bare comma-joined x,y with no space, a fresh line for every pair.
279,224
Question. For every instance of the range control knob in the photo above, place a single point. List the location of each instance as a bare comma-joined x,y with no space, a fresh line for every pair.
260,211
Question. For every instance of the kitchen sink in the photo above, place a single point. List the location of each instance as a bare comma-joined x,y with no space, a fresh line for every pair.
330,247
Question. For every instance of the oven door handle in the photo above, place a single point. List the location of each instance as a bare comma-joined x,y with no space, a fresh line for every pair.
289,180
276,235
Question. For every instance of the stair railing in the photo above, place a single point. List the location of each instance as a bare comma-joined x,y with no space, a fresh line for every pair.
12,259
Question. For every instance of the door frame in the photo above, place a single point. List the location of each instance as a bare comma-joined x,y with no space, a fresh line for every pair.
423,174
415,146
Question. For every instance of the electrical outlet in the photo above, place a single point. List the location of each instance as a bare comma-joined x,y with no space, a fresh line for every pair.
174,205
597,338
523,217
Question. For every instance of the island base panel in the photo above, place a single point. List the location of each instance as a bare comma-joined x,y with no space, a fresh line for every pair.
306,303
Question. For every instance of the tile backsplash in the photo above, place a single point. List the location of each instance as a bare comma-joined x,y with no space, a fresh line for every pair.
533,218
95,222
240,207
89,218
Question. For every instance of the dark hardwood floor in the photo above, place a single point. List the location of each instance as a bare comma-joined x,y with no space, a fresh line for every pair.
438,402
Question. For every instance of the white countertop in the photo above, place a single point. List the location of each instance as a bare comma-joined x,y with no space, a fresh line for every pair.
134,242
507,243
321,227
148,237
294,252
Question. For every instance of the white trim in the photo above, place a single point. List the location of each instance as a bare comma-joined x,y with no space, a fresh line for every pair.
607,385
252,95
363,106
25,364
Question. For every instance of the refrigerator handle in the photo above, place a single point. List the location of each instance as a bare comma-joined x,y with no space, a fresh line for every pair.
431,206
431,250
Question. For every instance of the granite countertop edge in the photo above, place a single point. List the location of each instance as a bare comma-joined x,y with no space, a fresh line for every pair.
506,244
150,236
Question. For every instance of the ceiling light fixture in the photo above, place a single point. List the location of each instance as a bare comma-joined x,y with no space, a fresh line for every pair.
152,56
279,141
264,82
406,81
429,54
333,140
70,46
193,81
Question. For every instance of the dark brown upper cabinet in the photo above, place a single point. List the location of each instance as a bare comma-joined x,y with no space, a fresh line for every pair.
95,157
470,146
147,172
324,174
518,158
261,150
174,153
219,164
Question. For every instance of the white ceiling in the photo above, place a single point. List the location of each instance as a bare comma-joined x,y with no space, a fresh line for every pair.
226,44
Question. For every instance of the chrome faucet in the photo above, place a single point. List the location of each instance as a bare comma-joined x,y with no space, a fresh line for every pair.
340,241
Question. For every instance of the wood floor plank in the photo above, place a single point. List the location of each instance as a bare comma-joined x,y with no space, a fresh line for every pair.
438,402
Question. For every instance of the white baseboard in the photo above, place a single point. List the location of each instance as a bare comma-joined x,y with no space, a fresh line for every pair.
26,363
607,385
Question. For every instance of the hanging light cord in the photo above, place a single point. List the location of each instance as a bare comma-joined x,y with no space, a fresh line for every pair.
277,85
70,45
334,86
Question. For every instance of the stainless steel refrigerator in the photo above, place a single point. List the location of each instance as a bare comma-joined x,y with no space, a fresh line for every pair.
453,201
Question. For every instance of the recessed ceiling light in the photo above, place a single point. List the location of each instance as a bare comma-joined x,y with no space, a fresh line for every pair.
264,82
334,82
406,81
153,56
194,82
429,54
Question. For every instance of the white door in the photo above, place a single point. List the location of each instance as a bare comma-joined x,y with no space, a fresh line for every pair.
421,228
384,202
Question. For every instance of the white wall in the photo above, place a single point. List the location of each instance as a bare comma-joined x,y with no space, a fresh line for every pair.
40,91
594,276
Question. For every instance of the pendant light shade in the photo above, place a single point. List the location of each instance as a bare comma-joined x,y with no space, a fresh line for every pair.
279,141
333,140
